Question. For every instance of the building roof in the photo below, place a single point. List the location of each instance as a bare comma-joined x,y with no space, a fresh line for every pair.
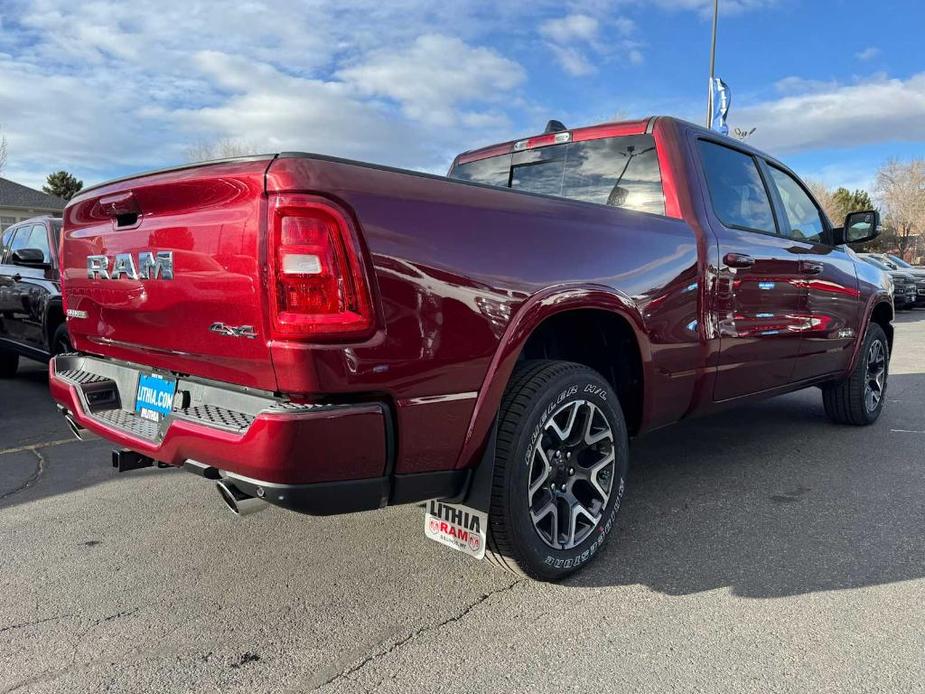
14,194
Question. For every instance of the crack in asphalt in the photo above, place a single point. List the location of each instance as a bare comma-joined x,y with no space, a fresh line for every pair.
36,622
414,634
39,469
52,674
42,444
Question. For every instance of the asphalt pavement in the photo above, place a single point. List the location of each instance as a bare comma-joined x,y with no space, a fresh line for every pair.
758,550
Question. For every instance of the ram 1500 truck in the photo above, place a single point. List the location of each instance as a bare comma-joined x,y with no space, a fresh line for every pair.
330,336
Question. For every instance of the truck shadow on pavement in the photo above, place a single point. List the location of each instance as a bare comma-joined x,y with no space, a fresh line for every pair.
772,500
768,500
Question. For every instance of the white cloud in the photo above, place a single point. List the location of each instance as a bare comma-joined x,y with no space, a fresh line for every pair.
579,41
573,27
705,7
868,53
434,76
116,86
875,110
573,61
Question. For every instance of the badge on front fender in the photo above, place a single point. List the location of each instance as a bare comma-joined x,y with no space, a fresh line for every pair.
459,527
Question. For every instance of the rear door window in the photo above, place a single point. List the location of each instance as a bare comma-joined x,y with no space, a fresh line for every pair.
615,171
737,191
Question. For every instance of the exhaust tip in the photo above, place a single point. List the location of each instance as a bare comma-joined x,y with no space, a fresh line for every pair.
78,431
238,502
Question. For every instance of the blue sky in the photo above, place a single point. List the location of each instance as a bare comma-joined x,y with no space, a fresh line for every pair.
105,88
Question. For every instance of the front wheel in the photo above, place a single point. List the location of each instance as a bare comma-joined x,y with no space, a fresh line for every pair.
858,399
560,470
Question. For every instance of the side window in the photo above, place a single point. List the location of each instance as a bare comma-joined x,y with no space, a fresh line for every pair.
804,222
736,189
39,239
32,237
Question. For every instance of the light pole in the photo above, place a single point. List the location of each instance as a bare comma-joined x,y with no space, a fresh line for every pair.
712,66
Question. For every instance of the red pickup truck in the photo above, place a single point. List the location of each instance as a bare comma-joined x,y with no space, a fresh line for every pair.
330,336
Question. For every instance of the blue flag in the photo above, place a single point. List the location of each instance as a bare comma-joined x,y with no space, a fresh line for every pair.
722,98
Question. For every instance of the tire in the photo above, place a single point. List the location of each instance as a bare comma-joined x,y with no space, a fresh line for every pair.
60,341
858,399
9,362
545,410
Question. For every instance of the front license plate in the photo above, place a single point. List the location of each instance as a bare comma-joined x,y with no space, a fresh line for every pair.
155,396
459,527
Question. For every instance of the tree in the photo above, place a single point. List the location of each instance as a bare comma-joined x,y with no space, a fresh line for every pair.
901,188
219,149
62,184
840,202
847,202
825,197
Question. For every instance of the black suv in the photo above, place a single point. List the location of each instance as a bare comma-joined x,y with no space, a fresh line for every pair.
31,316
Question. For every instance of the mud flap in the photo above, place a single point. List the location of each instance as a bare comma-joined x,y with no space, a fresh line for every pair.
462,522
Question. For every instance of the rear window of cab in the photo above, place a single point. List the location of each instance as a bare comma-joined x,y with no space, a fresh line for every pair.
615,171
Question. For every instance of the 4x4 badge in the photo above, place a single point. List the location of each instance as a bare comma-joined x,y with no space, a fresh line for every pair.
234,330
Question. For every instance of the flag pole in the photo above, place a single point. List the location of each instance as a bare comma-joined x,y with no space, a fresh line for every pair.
712,66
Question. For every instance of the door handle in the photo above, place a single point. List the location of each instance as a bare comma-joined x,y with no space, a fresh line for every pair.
808,267
738,260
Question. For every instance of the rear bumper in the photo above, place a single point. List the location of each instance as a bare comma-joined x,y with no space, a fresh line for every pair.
252,436
318,459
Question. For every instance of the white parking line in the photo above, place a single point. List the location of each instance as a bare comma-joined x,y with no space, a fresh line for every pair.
906,431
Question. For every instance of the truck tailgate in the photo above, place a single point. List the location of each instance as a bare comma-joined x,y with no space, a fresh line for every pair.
174,277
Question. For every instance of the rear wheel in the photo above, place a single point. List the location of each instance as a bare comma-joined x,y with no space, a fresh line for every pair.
61,341
560,470
858,399
9,362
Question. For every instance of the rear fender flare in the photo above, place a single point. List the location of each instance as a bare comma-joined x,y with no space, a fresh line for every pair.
529,316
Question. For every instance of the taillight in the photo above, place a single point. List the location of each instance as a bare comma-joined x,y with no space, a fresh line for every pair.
318,286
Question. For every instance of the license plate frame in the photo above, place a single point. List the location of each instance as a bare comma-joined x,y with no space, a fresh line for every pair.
154,396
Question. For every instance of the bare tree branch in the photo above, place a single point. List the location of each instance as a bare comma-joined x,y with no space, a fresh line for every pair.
901,188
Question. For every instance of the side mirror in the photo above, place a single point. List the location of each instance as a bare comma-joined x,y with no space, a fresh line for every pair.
859,227
29,257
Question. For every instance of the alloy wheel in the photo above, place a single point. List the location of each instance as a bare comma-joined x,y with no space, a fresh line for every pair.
571,474
876,375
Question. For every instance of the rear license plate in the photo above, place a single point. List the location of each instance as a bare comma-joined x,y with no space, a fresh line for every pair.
154,399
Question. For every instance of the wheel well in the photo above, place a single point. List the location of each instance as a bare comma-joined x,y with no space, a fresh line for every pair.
883,315
600,340
53,318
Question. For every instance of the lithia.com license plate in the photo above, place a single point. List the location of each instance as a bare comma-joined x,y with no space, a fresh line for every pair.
155,396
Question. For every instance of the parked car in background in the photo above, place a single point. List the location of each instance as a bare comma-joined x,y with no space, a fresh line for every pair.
905,290
330,336
31,317
918,272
